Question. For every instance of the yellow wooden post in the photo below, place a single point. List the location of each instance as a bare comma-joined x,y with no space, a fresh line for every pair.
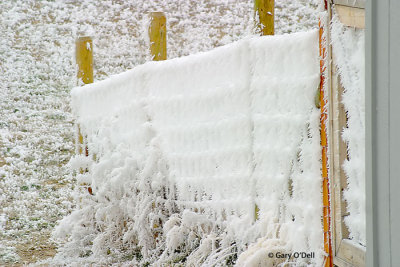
158,36
158,49
264,15
256,212
84,61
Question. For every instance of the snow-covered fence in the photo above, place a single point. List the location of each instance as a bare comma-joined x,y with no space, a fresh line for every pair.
84,60
347,153
188,146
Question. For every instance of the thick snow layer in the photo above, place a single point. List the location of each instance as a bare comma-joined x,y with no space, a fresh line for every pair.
187,148
348,48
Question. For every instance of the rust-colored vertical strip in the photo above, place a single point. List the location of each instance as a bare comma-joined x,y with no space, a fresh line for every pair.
324,146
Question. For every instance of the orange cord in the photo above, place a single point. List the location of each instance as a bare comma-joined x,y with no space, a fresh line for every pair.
324,145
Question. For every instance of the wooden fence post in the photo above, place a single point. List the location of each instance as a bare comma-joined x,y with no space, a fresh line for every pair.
264,16
158,50
84,61
158,36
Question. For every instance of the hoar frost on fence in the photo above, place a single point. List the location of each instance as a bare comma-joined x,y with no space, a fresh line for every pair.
186,148
349,46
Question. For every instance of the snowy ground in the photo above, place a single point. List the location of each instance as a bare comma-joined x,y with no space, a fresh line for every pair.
37,73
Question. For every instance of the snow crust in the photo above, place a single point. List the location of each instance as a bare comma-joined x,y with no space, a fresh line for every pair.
348,47
186,148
